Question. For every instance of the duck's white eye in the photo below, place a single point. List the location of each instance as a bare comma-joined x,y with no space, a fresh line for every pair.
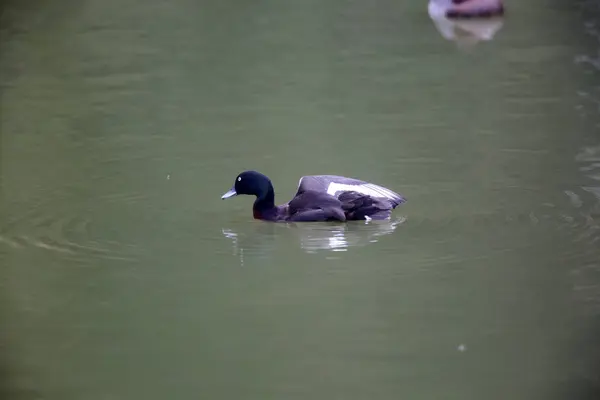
239,178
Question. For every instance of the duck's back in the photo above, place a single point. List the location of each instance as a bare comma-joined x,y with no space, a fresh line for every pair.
336,186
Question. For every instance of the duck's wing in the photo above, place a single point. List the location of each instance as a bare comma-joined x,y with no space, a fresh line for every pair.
311,205
327,214
312,200
335,186
358,206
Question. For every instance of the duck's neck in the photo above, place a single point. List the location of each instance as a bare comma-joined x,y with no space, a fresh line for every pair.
265,203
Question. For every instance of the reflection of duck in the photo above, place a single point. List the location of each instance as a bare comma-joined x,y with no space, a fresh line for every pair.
318,198
257,241
342,237
312,237
462,30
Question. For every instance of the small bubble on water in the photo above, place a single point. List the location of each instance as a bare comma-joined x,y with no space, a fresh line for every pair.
168,176
462,348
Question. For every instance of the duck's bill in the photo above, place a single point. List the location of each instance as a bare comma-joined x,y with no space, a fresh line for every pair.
229,194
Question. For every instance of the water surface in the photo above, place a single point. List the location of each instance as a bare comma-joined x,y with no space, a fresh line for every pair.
124,276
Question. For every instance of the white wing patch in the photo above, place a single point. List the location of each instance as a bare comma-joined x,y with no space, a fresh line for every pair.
366,188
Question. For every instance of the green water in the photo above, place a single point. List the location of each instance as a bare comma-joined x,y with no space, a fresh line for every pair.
123,275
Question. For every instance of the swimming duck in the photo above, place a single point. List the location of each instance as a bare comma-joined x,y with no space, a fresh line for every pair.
318,198
459,9
467,32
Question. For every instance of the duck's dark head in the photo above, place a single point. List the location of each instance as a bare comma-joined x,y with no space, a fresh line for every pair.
251,183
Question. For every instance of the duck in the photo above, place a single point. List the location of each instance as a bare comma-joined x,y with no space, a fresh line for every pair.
319,198
466,9
467,32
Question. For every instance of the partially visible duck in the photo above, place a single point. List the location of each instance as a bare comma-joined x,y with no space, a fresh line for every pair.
318,198
465,8
467,32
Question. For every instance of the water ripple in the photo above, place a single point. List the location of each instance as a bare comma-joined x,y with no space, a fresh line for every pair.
63,233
